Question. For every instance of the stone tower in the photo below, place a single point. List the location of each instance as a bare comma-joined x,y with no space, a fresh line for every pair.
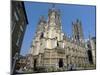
48,46
39,35
77,30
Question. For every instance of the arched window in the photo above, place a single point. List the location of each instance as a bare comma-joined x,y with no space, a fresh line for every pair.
57,44
42,35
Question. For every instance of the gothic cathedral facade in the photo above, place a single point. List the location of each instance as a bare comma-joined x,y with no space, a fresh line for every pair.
51,47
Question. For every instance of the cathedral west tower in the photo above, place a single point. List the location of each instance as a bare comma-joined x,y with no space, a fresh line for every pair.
77,30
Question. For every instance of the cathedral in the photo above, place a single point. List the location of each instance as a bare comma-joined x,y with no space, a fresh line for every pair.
53,50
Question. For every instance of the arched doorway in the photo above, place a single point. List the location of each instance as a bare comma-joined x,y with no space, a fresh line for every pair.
60,63
35,61
90,56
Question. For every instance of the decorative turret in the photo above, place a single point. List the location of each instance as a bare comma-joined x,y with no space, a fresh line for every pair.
54,17
41,27
41,24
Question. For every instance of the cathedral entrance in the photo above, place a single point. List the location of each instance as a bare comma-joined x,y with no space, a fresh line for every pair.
60,63
90,56
35,61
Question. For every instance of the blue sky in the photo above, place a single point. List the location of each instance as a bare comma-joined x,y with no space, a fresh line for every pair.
68,13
